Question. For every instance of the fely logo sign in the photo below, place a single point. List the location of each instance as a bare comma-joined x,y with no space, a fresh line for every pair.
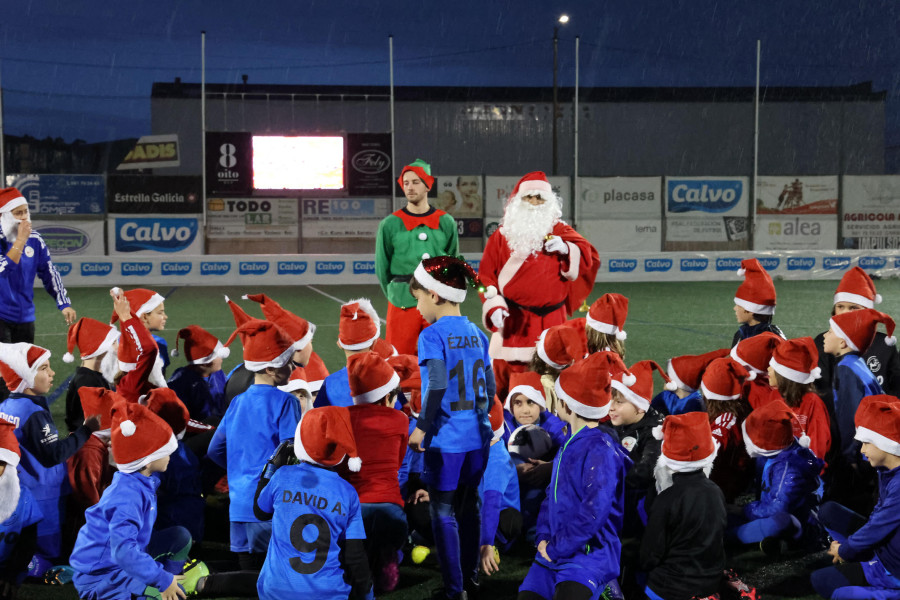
329,267
363,267
836,262
801,263
704,195
622,265
175,268
136,268
657,264
694,264
253,267
62,240
98,269
215,268
291,267
157,234
872,262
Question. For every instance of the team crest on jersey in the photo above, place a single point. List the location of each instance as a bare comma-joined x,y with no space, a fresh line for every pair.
629,443
29,251
873,363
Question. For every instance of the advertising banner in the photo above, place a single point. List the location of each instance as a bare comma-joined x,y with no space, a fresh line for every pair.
167,234
706,209
620,198
151,152
462,197
229,162
61,194
70,237
802,232
368,168
797,195
131,194
871,212
342,217
623,235
251,218
498,189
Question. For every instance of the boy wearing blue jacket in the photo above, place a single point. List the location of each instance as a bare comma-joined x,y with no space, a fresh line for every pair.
19,516
581,519
453,429
686,372
866,552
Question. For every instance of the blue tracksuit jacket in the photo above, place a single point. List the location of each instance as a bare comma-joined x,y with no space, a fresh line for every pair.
180,495
17,280
852,382
335,390
668,403
499,490
881,533
790,484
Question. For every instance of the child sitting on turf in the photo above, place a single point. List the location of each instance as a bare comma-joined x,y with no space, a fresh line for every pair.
557,349
865,551
298,387
137,352
581,519
683,550
604,324
204,354
97,344
686,373
90,471
754,302
755,353
791,488
358,329
19,516
526,405
149,307
722,385
792,372
331,565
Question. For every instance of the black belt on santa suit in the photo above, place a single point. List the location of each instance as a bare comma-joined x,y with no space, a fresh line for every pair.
541,311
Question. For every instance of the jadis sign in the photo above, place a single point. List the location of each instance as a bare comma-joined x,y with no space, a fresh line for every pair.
154,234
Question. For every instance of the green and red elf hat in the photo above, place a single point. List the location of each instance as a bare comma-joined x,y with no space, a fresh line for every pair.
420,168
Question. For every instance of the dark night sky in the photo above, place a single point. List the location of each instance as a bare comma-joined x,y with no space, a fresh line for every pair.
84,68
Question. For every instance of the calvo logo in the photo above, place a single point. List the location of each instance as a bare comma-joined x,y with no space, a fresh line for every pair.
836,262
657,264
872,262
801,263
62,240
136,268
622,265
175,268
363,267
215,268
98,269
291,267
253,267
694,264
157,234
728,263
329,267
705,195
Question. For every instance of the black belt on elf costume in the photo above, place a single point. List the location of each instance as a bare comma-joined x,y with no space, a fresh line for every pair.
541,311
401,278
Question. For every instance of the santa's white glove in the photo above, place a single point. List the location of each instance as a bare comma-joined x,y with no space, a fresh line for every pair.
497,318
556,245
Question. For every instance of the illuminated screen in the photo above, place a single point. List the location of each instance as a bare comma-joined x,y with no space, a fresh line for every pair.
298,163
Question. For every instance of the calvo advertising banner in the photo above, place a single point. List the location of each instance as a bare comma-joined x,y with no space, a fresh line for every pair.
158,234
706,209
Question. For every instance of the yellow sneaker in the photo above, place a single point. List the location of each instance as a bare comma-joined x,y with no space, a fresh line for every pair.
193,571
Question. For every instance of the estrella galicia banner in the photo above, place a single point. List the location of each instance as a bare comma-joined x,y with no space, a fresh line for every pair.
229,163
130,194
61,194
151,235
368,162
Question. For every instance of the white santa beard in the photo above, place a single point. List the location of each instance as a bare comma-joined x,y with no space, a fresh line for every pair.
663,473
9,225
109,367
525,225
9,492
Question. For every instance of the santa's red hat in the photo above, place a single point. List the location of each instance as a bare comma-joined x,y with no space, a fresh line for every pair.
265,345
757,293
857,287
200,346
316,372
9,445
878,423
444,275
129,350
420,168
857,328
724,379
585,386
496,418
166,403
560,346
797,360
770,429
19,364
756,352
142,301
92,338
296,327
527,383
534,184
607,315
407,368
99,401
139,437
687,442
240,317
371,378
641,392
384,348
11,199
297,381
686,371
324,437
359,325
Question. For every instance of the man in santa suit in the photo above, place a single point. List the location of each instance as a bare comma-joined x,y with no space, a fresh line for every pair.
536,271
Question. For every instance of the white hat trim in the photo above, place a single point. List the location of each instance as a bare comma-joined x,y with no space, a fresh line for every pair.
168,448
443,290
670,371
154,301
883,443
709,395
378,393
529,392
535,187
17,359
736,357
794,375
602,327
757,309
276,363
219,351
682,466
14,204
300,450
314,386
293,385
840,333
582,410
752,449
542,353
854,298
111,337
640,402
9,457
302,342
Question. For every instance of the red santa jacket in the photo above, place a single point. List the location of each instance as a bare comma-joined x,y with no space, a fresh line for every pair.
90,472
381,434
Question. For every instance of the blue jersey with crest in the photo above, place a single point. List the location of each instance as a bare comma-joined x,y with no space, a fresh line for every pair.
461,424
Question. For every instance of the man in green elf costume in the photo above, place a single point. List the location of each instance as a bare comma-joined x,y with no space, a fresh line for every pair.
405,237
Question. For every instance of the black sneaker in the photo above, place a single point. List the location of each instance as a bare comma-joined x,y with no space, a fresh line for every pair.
773,547
471,588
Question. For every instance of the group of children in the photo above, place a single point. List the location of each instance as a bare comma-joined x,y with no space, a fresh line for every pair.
335,479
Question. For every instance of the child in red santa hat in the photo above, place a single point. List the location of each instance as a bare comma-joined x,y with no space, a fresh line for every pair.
754,302
686,373
204,354
358,329
137,353
556,350
755,353
605,324
98,343
149,307
298,387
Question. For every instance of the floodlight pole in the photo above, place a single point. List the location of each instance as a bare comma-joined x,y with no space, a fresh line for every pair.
555,97
2,147
393,147
203,126
755,147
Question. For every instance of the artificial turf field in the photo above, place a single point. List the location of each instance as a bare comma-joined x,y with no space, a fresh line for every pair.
664,320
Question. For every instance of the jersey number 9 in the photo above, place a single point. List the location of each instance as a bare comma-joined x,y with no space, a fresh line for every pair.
320,545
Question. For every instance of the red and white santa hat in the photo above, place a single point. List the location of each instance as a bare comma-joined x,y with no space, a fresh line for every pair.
797,360
496,418
756,352
297,381
92,338
641,392
141,300
858,288
324,437
534,184
19,364
316,372
878,423
11,199
359,325
607,315
200,346
165,403
770,429
238,313
757,293
560,346
585,386
687,442
407,368
724,379
443,275
99,401
371,378
9,445
420,168
296,327
139,436
129,350
527,383
686,371
265,345
857,328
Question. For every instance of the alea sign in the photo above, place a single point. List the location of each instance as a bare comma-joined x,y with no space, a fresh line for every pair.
703,195
154,234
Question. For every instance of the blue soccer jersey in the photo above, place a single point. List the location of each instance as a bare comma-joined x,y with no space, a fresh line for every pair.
315,512
461,424
26,513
